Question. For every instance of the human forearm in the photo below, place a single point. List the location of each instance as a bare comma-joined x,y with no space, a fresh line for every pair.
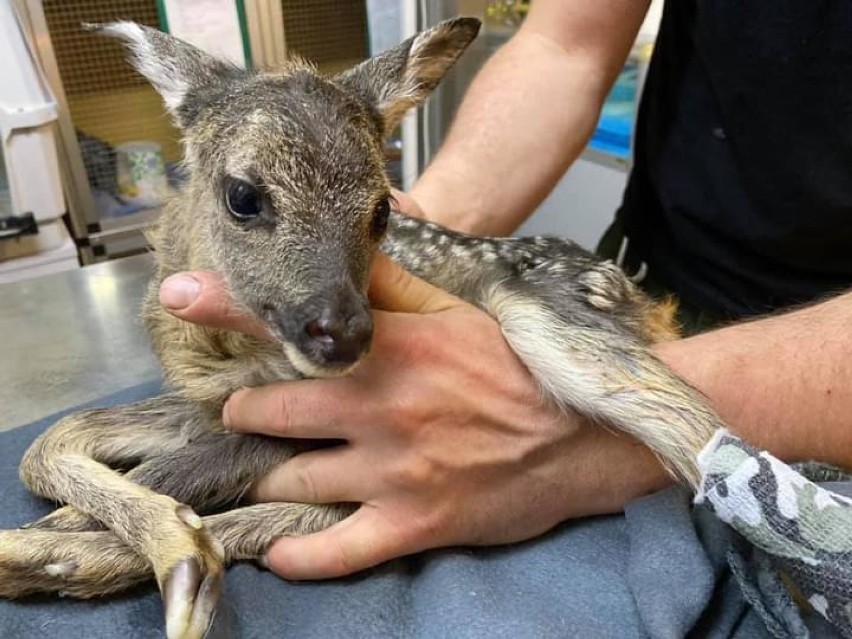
783,383
528,115
504,155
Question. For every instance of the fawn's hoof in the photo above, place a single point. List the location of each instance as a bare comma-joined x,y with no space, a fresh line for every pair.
192,580
189,599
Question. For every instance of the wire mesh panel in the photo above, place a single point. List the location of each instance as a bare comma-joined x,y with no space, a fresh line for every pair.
331,33
110,104
334,35
119,119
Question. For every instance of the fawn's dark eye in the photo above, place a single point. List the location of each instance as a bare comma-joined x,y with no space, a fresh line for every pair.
243,200
381,215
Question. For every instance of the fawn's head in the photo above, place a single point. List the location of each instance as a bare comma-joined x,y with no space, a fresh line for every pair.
287,186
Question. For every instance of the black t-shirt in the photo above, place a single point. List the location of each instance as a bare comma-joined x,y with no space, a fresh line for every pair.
740,200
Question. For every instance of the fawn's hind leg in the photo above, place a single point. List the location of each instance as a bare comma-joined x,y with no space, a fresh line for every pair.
95,563
577,323
584,360
62,464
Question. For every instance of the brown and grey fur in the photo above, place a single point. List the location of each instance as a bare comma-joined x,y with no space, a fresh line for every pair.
134,477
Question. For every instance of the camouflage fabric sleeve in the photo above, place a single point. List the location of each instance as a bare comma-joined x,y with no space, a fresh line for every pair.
804,528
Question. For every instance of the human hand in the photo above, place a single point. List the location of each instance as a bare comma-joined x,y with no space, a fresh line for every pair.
407,205
448,440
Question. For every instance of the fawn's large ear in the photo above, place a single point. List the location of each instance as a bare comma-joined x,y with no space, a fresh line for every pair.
177,70
402,77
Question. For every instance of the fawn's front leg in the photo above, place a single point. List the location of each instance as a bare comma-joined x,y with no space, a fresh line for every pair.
95,563
62,464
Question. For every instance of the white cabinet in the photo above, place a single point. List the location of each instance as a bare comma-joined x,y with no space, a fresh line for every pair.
33,237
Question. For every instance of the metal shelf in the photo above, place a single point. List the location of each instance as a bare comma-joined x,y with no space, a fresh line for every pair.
607,160
120,227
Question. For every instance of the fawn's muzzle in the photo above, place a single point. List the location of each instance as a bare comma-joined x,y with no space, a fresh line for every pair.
342,332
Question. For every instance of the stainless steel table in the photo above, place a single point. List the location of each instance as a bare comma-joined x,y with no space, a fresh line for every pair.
69,338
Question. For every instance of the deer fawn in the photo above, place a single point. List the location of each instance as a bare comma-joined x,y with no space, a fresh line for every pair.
288,199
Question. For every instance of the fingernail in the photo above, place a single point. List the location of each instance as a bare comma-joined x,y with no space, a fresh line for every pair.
179,291
226,415
227,419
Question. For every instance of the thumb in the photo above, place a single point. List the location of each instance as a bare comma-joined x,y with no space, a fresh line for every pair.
394,289
360,541
202,297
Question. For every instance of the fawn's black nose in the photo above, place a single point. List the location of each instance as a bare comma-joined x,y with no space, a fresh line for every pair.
340,335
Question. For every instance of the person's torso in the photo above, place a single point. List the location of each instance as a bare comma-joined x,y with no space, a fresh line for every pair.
741,195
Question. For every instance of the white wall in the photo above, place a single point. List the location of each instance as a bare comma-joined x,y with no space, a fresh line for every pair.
581,206
584,202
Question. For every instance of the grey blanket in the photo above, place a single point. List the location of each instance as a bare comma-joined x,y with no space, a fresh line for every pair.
663,569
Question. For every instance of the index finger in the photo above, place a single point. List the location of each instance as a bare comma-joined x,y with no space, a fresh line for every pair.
310,408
